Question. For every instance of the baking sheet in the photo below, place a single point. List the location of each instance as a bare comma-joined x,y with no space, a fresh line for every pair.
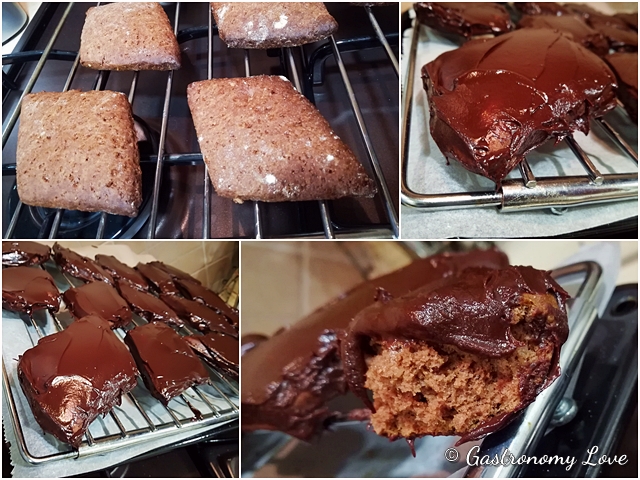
18,335
428,172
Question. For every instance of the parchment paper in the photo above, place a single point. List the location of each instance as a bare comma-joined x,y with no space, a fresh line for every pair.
429,173
18,335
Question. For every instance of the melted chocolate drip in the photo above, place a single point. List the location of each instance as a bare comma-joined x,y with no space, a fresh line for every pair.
201,294
221,350
80,267
99,299
147,305
161,281
287,380
494,100
472,312
464,18
27,289
75,375
24,253
120,271
199,316
167,364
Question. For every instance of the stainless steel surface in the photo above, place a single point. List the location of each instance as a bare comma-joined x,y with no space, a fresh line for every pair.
530,193
156,428
14,19
524,433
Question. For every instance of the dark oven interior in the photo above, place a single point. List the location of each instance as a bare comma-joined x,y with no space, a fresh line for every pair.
178,201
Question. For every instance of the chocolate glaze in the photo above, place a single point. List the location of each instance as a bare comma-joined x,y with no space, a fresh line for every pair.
201,294
222,350
160,281
147,305
616,30
625,66
250,341
99,299
464,18
174,272
540,8
75,375
24,253
494,100
120,271
27,289
631,19
472,311
199,316
80,267
287,380
573,27
166,363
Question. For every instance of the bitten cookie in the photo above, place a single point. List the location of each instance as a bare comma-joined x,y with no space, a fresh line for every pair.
128,36
273,24
262,140
78,150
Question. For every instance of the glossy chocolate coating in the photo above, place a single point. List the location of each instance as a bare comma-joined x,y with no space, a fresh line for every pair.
493,100
471,311
174,272
161,281
540,8
80,267
16,254
27,289
99,299
287,380
573,27
617,31
222,350
75,375
201,294
625,66
166,363
199,315
464,18
147,305
120,271
631,19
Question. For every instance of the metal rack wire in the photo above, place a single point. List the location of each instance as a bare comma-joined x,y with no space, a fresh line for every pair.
207,414
556,193
196,158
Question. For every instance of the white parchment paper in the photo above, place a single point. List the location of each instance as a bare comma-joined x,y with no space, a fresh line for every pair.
429,173
19,335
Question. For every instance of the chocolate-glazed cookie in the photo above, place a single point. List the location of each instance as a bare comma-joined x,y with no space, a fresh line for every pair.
71,377
99,299
120,271
199,316
80,267
24,254
26,289
147,305
167,364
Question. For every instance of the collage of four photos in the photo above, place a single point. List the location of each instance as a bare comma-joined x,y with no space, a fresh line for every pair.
319,239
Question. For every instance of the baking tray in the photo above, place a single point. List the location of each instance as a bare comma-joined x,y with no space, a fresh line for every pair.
140,418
